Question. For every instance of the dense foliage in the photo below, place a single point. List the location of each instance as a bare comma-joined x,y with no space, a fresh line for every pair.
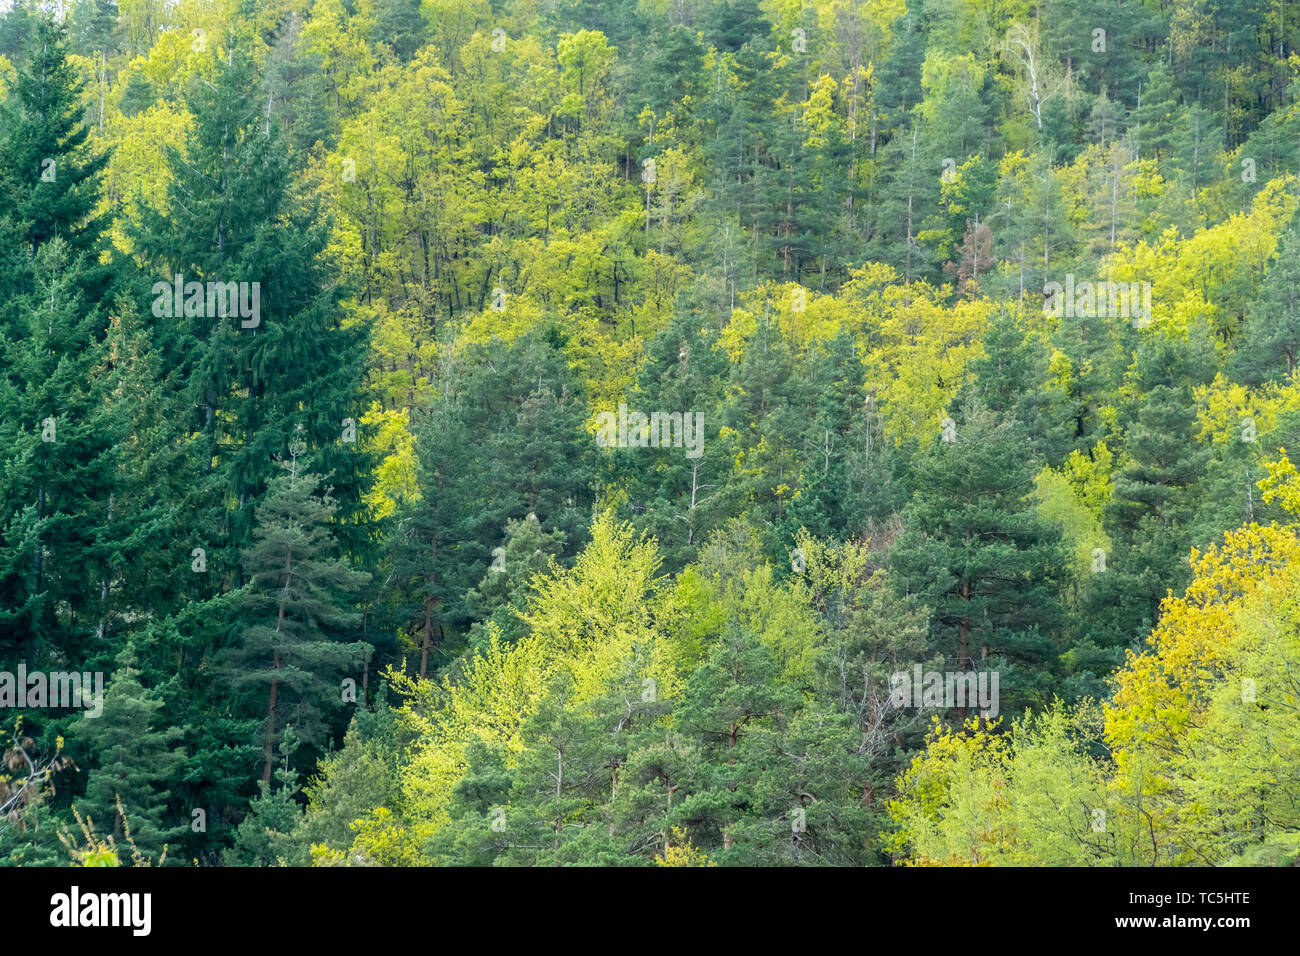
611,402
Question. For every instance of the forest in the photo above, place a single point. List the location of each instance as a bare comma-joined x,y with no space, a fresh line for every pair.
649,433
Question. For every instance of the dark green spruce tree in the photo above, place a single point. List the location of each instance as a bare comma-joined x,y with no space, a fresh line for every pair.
291,368
135,761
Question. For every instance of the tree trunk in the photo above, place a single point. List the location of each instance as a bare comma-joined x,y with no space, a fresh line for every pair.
270,723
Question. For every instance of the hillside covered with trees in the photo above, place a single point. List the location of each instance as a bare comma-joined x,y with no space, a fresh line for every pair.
539,432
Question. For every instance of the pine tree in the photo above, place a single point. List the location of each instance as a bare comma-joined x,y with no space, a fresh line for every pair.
850,476
1010,379
1154,118
355,779
296,610
872,632
505,441
399,24
295,85
907,197
92,24
1196,145
479,831
270,834
675,496
751,794
1155,497
764,424
1092,347
566,772
16,26
976,552
497,600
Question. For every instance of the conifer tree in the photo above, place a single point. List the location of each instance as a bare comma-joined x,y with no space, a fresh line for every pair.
55,494
1010,380
850,474
500,597
135,762
1154,117
355,779
975,551
47,174
297,612
676,496
1155,498
505,441
1268,348
290,369
270,834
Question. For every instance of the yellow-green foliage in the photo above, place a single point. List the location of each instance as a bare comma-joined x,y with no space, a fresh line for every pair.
611,611
924,347
1202,732
585,622
1226,410
1210,275
980,797
1059,502
395,446
679,852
